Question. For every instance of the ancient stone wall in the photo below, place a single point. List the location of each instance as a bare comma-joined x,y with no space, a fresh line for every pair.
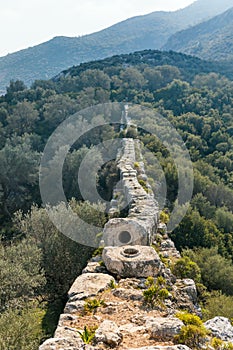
134,193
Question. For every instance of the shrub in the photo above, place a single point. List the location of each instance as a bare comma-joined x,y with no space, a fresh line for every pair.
188,319
219,344
216,271
144,185
91,305
192,336
156,292
112,284
88,334
217,304
186,268
193,333
21,329
164,217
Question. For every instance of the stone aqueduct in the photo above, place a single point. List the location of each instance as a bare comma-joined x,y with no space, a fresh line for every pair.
129,258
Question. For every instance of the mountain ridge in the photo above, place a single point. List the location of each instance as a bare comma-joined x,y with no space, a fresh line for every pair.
211,39
149,31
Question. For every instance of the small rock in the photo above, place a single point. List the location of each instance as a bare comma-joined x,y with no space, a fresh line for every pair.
74,307
108,333
94,267
185,294
131,328
163,327
66,317
221,328
67,332
64,338
127,294
62,343
169,347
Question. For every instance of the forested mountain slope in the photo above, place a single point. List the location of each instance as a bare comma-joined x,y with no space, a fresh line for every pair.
211,40
138,33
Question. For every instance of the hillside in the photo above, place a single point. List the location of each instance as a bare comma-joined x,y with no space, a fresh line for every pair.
143,32
188,65
211,40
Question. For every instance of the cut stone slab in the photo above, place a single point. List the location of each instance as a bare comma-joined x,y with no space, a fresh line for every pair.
221,328
108,333
88,285
122,231
163,327
132,261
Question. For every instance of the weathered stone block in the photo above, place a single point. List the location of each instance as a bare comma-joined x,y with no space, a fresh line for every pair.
163,327
221,328
122,231
89,284
132,261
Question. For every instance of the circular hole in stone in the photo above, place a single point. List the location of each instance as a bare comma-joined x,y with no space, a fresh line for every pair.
124,237
130,252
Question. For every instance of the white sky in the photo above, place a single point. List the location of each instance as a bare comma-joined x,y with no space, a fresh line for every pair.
25,23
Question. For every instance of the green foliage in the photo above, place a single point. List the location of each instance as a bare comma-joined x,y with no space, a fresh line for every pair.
112,284
60,254
144,185
88,334
192,336
200,108
217,304
156,293
189,319
216,271
219,344
193,333
186,268
21,329
98,252
164,217
21,274
91,305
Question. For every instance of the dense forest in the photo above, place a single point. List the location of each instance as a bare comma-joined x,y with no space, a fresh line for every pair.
37,261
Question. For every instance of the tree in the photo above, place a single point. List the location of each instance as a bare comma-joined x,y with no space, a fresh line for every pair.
21,274
21,329
186,268
22,119
18,175
63,258
216,271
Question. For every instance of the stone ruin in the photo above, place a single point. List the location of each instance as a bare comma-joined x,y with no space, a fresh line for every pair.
119,275
140,225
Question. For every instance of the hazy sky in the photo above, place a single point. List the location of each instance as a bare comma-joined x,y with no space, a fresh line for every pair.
25,23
